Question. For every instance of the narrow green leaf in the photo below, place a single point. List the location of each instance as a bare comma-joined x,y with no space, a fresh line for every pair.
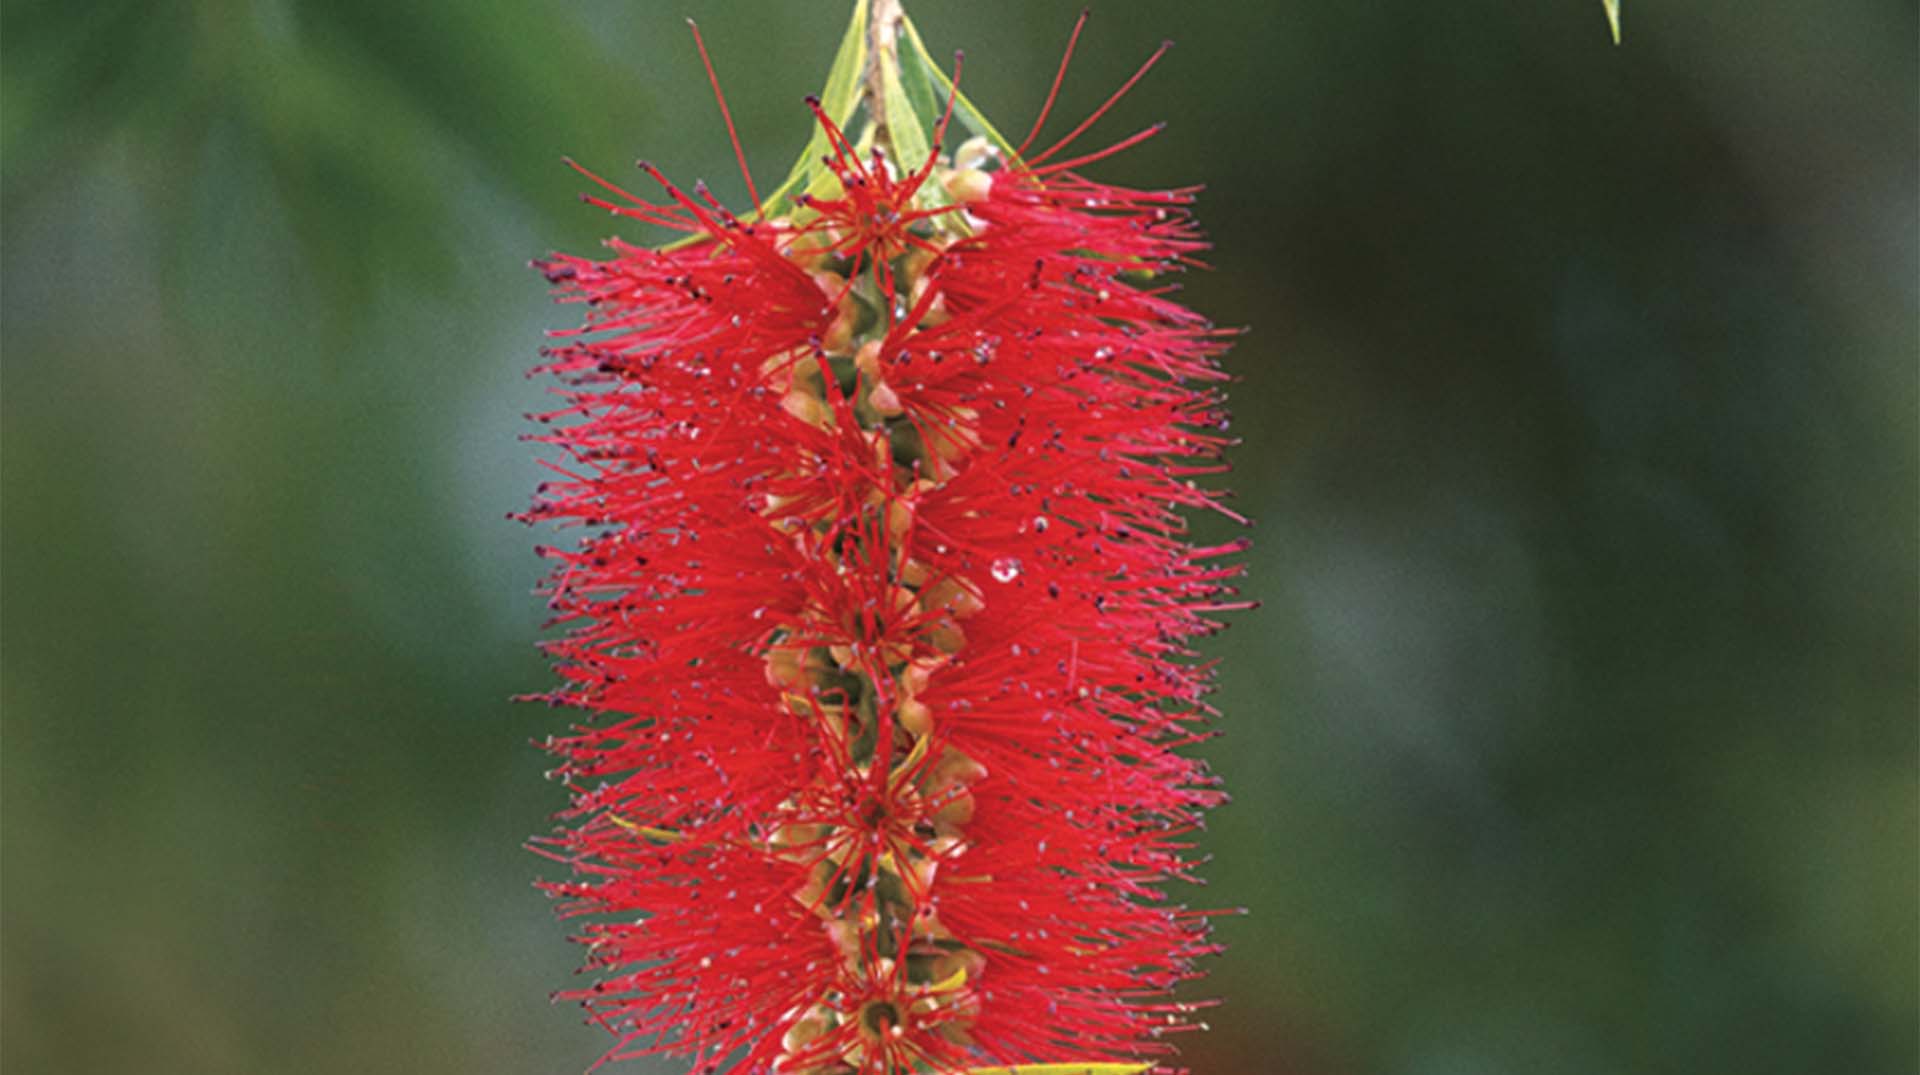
905,127
918,84
970,117
838,100
1613,17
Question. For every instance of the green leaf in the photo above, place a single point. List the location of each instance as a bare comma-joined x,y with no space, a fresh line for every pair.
1064,1069
969,116
905,126
1613,17
917,81
838,100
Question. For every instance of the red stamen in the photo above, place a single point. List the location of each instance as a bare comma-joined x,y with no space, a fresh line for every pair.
1110,102
1058,76
1125,143
732,136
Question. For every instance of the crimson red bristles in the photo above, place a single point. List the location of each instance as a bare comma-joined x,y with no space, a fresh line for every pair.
877,621
1093,118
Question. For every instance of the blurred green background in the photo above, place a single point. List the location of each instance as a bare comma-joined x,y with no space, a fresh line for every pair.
1577,733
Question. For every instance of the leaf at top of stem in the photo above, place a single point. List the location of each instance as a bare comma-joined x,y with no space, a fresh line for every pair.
970,117
906,129
838,100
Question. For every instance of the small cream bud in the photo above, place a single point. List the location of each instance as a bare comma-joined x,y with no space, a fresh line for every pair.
915,717
969,185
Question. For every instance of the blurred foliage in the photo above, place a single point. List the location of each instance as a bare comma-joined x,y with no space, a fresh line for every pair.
1577,731
337,114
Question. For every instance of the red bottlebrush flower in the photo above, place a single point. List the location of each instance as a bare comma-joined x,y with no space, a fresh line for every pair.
880,610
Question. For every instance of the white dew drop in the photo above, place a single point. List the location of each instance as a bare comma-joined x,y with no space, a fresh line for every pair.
1005,569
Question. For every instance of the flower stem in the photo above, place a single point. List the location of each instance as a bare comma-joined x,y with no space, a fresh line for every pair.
883,50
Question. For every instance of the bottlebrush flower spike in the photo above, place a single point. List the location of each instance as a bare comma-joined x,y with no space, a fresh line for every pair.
880,608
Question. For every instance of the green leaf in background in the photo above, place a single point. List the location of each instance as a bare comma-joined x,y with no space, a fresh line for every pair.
340,126
1613,17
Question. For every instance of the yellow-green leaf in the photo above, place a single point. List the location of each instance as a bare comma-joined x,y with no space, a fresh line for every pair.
1613,17
918,83
838,100
905,128
969,116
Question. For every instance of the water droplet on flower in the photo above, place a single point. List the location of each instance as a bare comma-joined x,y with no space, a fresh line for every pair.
1005,569
1040,524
